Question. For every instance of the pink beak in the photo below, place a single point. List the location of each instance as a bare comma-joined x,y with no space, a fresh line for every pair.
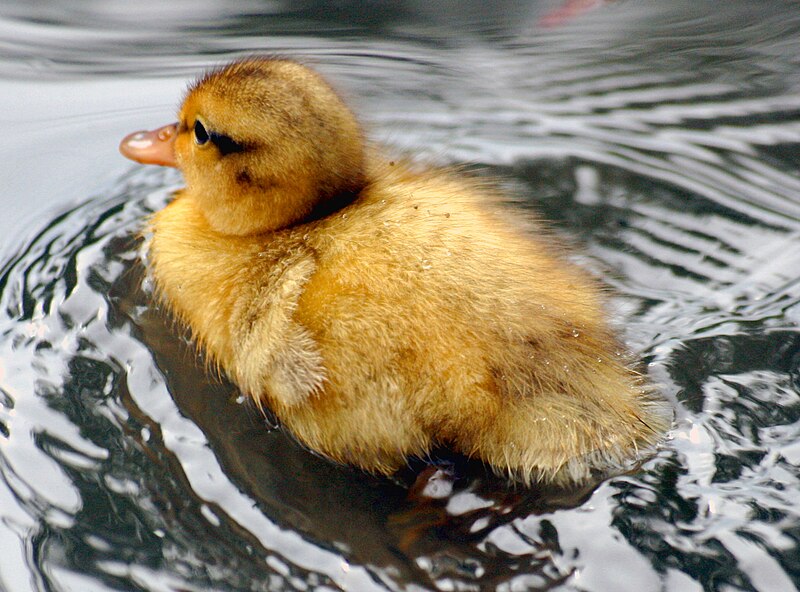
153,147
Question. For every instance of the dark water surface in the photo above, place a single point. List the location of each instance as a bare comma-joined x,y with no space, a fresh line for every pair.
661,136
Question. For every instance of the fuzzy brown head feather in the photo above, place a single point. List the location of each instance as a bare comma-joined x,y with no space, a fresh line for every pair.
263,142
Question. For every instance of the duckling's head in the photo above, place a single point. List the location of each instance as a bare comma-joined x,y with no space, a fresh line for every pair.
262,144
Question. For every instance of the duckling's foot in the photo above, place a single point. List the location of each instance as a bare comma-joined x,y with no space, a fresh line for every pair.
434,482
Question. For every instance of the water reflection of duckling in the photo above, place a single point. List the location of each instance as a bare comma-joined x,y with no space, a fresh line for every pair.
380,308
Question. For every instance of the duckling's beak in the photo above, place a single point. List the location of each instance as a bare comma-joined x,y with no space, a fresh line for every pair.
153,147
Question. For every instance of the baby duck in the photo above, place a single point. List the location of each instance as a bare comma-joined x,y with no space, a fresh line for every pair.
378,308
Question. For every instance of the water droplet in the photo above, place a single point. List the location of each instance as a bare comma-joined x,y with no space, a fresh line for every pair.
576,333
270,421
426,264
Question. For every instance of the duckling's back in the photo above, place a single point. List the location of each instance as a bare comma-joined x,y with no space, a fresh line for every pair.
439,316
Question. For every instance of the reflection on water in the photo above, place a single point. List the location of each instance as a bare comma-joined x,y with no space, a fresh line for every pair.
661,137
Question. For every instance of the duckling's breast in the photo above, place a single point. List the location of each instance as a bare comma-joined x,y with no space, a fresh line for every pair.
238,296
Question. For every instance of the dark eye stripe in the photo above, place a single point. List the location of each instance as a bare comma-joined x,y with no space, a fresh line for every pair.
226,144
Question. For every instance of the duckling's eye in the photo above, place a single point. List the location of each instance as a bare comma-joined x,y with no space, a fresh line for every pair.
200,133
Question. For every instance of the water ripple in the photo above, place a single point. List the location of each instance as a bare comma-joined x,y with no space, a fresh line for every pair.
661,137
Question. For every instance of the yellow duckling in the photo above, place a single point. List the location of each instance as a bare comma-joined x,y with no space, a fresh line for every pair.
377,308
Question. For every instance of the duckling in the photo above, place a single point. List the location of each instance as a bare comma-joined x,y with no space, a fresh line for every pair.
377,307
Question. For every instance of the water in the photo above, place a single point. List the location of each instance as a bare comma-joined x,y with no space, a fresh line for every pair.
660,137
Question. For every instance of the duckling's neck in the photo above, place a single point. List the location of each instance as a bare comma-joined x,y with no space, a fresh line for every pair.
250,212
266,209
